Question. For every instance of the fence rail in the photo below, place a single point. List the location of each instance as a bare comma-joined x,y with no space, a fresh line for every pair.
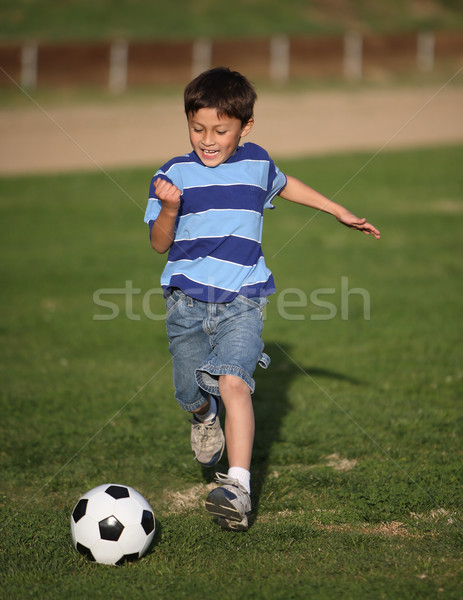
121,64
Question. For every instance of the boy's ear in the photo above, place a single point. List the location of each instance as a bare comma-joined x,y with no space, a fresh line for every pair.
247,128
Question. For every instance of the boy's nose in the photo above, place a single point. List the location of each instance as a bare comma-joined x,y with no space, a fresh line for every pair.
208,139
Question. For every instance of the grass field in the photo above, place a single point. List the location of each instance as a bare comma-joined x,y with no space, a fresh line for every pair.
358,459
89,20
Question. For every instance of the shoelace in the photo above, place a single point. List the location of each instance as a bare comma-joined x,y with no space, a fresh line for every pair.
225,479
202,429
222,478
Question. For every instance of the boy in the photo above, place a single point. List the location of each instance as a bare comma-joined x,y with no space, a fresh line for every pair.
206,208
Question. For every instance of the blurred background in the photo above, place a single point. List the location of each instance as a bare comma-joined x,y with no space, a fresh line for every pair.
126,53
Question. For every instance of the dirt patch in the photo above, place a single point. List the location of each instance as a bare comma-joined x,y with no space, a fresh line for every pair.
335,461
42,139
188,499
340,464
441,515
387,529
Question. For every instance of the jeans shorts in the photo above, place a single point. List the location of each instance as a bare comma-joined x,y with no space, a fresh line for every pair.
207,340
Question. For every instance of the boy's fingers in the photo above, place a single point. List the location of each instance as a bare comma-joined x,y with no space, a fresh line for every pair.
163,186
160,183
367,228
374,231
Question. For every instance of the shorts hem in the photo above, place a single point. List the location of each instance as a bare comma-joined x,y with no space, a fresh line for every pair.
207,377
194,405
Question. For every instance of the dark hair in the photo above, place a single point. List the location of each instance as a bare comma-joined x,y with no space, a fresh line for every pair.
227,91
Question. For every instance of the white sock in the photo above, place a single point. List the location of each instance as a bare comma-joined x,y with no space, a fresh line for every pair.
243,476
211,413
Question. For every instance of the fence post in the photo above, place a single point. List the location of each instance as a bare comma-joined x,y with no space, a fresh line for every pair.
425,51
29,64
118,63
202,56
353,56
280,58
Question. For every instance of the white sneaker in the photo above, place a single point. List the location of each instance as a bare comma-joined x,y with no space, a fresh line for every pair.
230,502
207,441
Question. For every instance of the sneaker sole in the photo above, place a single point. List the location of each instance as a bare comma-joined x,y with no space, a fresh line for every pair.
234,525
219,505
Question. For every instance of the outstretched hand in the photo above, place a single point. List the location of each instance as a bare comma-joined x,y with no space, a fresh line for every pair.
350,220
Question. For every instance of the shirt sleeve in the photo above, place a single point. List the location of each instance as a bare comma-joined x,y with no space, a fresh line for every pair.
276,182
153,207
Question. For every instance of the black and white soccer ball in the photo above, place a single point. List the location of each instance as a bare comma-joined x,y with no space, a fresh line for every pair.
112,524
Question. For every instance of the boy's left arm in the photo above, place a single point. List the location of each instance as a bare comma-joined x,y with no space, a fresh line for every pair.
297,191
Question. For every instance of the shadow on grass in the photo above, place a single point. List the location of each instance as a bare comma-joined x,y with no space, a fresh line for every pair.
272,404
156,539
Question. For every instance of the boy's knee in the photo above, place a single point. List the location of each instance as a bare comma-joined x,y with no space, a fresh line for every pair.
232,384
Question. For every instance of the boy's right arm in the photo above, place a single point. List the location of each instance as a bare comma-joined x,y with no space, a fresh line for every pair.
163,231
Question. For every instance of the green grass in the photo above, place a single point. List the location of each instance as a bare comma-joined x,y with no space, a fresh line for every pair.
357,463
135,19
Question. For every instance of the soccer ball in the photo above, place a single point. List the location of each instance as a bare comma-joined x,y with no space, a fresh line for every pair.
112,524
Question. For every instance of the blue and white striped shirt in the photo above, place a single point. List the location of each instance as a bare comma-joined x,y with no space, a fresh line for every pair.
216,253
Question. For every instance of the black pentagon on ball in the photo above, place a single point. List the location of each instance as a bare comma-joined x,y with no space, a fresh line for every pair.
117,491
110,529
79,510
128,558
85,551
147,521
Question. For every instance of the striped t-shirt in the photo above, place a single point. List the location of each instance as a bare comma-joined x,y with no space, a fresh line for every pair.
216,253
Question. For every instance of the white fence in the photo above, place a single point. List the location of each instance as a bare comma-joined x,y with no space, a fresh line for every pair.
121,64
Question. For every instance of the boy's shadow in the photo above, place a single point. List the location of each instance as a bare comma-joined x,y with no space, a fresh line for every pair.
271,405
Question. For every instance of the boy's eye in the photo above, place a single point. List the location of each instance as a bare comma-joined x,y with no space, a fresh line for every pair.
221,132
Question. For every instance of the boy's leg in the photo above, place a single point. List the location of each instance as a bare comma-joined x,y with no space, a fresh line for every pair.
231,502
189,346
239,422
237,348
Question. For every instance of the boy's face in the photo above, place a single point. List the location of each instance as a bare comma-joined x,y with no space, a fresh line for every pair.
214,138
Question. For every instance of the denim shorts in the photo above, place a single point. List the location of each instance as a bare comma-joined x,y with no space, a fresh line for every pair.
207,340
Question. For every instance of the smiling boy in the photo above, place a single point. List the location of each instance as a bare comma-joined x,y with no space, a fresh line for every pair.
206,209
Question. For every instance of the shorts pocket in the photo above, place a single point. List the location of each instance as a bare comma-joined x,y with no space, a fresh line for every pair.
258,302
173,301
